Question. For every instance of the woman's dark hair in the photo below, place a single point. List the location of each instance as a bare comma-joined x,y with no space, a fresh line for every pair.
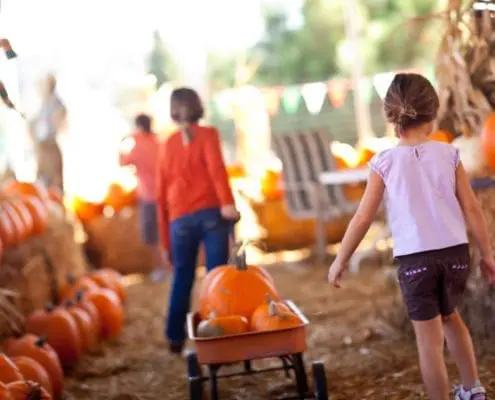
144,122
411,100
190,100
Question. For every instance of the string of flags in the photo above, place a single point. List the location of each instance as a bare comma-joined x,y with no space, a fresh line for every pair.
289,98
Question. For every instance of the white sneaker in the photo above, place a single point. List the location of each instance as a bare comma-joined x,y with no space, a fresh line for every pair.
477,392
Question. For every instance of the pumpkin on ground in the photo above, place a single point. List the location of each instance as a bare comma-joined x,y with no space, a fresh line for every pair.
274,318
85,325
271,185
89,307
118,198
264,309
235,290
4,392
86,210
23,213
117,282
27,390
38,212
111,312
442,136
222,326
73,285
7,233
19,229
32,370
39,350
105,281
61,331
8,370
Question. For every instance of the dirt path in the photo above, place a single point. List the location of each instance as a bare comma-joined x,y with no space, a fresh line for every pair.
364,356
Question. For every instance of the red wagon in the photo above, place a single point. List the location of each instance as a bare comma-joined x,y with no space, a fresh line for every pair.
287,344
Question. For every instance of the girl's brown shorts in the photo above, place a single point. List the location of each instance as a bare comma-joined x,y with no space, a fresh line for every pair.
433,282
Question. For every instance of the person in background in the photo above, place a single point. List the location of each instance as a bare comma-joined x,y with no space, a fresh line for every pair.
44,128
141,150
428,198
195,204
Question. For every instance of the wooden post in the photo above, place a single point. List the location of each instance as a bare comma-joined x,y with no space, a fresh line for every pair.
361,108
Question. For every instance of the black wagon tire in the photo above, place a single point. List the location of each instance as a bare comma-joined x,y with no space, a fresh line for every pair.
320,385
195,377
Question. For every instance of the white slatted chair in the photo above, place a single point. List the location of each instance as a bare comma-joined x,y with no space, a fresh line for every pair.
304,156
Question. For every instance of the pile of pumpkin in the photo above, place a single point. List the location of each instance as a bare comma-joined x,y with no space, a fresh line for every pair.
116,199
24,211
54,339
239,298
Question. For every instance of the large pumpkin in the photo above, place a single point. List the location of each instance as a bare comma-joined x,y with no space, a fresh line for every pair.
36,189
488,140
32,370
39,213
8,370
61,331
39,350
27,390
235,290
111,312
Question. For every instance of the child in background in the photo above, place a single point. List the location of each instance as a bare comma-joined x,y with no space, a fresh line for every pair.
427,195
141,151
195,203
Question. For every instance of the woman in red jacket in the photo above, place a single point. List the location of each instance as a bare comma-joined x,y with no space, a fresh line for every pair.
195,205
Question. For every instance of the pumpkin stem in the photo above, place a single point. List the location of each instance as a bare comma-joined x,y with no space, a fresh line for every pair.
68,303
268,298
70,278
240,261
41,341
49,307
34,391
212,315
79,296
273,310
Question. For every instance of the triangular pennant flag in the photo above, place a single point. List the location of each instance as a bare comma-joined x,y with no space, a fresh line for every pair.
314,95
366,89
291,99
337,92
382,82
224,101
271,97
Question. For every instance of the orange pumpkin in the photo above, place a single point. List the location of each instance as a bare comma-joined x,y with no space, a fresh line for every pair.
274,318
90,308
7,230
118,198
85,325
32,370
235,171
73,285
109,279
271,185
19,228
38,212
4,392
488,140
111,312
23,213
61,331
364,156
236,290
39,350
36,189
442,136
263,310
85,210
221,326
27,390
8,370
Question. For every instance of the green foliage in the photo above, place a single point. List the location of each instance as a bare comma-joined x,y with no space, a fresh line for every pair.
160,62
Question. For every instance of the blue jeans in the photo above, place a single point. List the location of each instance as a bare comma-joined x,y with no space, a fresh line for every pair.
186,234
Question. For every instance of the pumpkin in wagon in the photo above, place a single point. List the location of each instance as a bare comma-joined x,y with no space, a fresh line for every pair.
274,317
235,290
221,326
264,309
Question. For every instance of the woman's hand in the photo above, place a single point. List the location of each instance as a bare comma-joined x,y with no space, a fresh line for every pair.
488,269
335,273
230,213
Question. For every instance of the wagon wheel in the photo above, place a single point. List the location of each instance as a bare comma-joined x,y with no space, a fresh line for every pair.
320,386
195,377
300,372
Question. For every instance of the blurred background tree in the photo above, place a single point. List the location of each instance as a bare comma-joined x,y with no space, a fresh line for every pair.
160,61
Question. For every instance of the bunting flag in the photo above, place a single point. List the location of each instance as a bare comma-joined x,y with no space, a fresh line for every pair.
291,98
224,102
366,89
314,95
382,82
337,92
271,97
